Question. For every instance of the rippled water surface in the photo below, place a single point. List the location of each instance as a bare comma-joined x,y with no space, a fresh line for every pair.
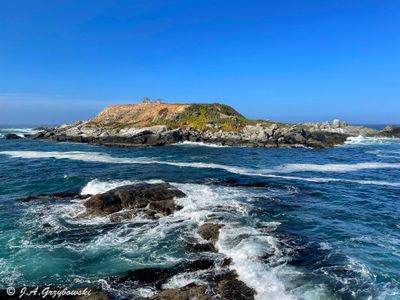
300,223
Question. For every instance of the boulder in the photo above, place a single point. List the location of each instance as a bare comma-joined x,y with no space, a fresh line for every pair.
188,292
200,247
209,231
229,287
225,286
143,198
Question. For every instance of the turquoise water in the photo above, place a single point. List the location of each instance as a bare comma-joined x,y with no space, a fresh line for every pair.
300,223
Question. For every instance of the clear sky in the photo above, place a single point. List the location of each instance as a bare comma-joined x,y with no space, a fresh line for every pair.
282,60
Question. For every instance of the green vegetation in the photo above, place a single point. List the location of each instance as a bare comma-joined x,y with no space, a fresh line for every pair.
206,117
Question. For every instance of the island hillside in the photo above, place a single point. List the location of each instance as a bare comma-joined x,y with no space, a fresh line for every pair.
197,116
156,124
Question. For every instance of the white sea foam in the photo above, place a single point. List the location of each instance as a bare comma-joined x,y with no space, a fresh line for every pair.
188,143
326,179
8,274
363,140
288,168
325,246
96,186
18,131
385,153
183,279
245,245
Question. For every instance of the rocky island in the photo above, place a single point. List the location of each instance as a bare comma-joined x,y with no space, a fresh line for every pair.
157,124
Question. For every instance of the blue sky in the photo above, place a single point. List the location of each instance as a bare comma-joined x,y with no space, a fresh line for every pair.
281,60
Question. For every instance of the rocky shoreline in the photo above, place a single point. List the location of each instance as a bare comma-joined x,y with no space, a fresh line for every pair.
216,279
158,124
313,135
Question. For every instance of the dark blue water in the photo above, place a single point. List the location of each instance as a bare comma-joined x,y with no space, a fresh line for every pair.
300,223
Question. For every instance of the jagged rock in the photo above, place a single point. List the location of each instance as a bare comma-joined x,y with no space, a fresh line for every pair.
200,247
225,286
47,225
134,126
142,198
209,231
390,131
189,292
95,295
230,287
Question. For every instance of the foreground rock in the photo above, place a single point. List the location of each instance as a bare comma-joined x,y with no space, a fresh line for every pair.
216,282
224,286
151,200
209,231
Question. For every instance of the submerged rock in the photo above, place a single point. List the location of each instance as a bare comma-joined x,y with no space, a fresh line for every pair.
12,136
200,247
53,196
148,276
152,200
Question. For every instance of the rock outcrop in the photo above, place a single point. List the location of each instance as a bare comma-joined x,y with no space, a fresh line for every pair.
225,286
209,231
390,131
150,200
217,282
157,124
214,277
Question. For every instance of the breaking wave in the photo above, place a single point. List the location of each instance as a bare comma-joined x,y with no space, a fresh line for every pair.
188,143
291,168
364,140
18,131
271,173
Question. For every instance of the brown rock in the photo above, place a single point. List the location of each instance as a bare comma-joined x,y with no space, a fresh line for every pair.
189,292
209,231
229,287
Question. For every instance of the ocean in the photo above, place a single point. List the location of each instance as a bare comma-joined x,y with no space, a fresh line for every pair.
299,223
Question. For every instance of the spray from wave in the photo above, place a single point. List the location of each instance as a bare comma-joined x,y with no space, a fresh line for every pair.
188,143
18,131
364,140
271,173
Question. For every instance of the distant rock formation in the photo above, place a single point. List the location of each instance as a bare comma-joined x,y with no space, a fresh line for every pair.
156,124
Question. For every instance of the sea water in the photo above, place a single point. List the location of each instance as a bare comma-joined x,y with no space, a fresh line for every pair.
299,223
